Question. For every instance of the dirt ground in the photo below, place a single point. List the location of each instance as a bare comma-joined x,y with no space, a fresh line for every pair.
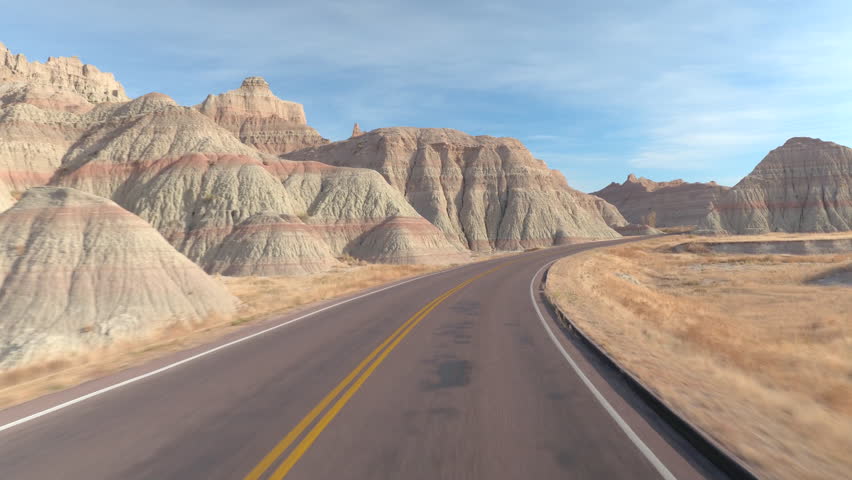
755,349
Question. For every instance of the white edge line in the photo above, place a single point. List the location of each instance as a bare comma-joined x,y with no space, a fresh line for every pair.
646,451
207,352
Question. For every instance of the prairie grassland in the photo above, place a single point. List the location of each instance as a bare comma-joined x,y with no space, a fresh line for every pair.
261,297
748,347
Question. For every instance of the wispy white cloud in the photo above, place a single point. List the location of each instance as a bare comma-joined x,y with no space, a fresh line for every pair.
686,86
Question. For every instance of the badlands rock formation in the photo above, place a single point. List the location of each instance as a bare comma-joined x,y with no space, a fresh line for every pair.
44,109
208,180
356,130
64,76
803,186
482,192
674,203
260,119
78,271
196,183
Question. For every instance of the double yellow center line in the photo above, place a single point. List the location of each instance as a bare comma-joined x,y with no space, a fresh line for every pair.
353,381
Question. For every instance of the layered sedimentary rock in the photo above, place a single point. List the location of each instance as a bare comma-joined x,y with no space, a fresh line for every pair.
65,74
272,244
208,178
196,183
44,109
803,186
79,271
671,204
356,130
482,192
343,204
43,96
260,119
32,144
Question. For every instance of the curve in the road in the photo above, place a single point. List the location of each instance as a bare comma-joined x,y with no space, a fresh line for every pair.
466,385
377,356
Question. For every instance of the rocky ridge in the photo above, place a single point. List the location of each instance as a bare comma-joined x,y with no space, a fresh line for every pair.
804,185
673,203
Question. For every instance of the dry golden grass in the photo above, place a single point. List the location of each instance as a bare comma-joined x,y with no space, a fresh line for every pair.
265,296
262,297
745,346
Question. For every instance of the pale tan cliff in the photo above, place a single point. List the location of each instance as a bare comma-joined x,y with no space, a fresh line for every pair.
78,271
65,74
803,186
482,192
260,119
673,203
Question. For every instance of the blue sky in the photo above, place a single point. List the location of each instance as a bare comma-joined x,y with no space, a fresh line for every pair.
691,89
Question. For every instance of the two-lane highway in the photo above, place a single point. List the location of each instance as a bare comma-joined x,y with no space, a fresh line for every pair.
457,375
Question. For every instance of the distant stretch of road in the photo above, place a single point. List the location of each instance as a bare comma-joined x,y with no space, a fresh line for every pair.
462,374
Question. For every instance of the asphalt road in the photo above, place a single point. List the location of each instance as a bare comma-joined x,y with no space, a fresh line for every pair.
449,376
